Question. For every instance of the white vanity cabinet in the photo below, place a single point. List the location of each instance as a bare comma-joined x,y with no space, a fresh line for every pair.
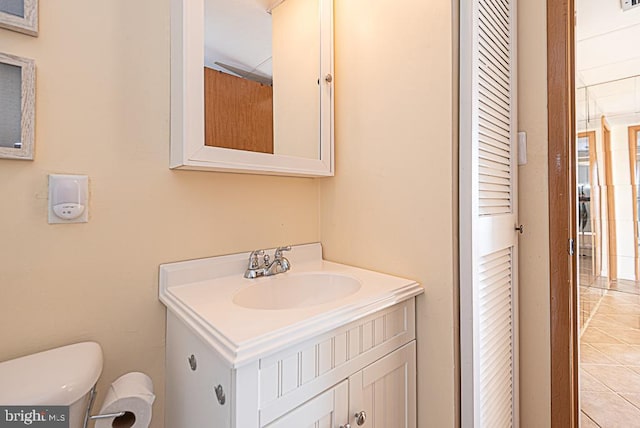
386,390
327,410
312,347
193,370
366,365
381,395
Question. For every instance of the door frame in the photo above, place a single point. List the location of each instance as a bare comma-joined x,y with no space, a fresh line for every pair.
594,211
565,409
634,133
612,253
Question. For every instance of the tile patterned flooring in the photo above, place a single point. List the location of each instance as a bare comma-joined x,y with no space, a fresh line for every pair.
610,358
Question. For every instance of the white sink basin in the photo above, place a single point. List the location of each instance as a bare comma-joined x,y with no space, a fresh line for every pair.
245,319
290,290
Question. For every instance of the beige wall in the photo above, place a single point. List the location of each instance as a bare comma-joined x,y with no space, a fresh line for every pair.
623,200
391,205
535,369
103,110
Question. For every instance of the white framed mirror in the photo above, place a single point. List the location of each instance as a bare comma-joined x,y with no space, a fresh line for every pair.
277,55
17,107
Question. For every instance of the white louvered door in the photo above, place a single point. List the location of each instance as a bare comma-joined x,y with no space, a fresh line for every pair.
488,215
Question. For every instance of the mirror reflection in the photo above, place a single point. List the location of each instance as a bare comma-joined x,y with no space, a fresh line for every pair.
17,107
262,76
608,172
10,107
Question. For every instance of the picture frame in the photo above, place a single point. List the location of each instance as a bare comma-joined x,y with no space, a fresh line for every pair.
20,15
17,107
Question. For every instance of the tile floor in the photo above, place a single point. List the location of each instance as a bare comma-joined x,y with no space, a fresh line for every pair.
590,298
610,358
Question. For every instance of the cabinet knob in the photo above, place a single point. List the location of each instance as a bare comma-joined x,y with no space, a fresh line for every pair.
220,394
361,417
345,426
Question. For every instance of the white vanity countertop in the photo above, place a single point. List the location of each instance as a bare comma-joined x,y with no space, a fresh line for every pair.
200,293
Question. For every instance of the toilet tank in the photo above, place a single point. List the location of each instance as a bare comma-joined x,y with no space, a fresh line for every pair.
61,376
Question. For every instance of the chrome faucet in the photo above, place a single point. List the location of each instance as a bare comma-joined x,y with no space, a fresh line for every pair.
267,267
256,268
279,264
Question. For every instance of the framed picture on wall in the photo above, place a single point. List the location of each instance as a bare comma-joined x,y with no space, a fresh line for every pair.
17,106
19,15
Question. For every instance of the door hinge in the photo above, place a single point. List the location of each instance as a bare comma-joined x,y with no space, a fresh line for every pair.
572,247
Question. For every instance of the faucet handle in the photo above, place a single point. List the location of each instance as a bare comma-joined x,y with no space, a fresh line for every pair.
279,250
253,259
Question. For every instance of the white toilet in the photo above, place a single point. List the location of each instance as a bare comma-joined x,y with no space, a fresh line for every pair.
63,376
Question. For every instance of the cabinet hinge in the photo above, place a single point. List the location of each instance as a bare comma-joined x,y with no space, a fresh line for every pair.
572,247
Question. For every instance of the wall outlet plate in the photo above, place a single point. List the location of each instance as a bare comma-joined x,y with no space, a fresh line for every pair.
522,148
68,199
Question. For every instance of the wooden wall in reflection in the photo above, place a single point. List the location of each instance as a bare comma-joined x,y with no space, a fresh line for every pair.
238,113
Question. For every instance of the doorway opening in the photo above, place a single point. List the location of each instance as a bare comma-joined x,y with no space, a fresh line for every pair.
607,117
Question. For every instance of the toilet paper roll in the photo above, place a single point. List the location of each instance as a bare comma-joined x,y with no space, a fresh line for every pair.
131,393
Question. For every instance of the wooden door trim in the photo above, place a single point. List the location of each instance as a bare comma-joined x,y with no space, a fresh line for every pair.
612,252
562,213
633,153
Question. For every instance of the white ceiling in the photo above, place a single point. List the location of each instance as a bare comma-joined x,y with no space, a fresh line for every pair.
238,33
607,61
606,41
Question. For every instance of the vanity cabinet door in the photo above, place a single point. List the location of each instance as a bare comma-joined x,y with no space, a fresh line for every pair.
198,384
385,391
327,410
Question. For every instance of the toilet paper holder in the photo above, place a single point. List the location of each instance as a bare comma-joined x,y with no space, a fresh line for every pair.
88,417
107,415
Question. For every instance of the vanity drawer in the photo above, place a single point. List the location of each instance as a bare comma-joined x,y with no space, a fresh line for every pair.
294,375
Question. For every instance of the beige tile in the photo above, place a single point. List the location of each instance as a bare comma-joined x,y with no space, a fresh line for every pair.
624,320
628,355
609,410
619,308
594,335
634,368
608,321
591,304
590,383
632,398
610,355
618,378
613,297
591,355
592,292
601,283
586,422
630,336
604,323
625,286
